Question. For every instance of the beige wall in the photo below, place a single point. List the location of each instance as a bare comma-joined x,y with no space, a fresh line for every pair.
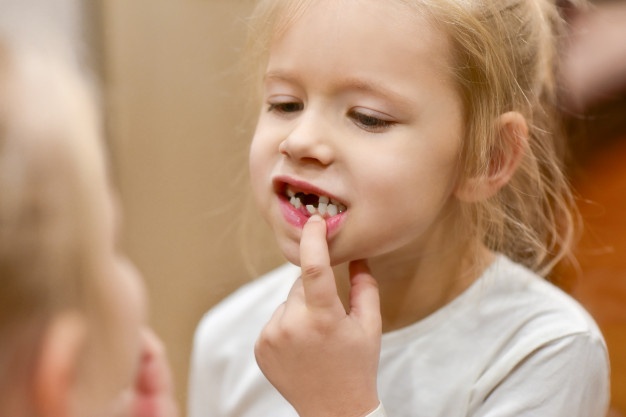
179,139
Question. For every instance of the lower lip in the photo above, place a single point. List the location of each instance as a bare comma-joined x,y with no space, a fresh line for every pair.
296,218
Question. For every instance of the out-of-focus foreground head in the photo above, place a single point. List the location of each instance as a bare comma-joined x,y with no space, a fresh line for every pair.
69,314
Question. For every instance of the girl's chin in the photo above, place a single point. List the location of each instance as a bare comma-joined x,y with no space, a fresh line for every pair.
290,250
292,258
292,254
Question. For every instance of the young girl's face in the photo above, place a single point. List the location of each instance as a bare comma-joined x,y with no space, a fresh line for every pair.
50,140
362,123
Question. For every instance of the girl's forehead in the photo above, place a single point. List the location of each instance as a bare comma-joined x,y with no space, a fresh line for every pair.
391,13
365,33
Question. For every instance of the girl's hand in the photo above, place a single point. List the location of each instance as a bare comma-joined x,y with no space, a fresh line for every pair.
323,360
153,393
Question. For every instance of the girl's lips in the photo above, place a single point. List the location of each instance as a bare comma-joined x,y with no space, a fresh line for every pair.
291,193
297,218
282,185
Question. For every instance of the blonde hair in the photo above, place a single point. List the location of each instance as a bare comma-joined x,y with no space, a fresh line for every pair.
53,194
505,58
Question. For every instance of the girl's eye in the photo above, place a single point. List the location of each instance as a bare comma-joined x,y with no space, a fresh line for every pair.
284,108
370,122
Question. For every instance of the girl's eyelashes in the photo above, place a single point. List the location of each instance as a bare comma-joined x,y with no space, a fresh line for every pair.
285,107
370,122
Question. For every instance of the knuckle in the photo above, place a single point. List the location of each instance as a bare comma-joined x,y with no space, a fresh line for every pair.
273,336
259,348
313,271
323,327
325,322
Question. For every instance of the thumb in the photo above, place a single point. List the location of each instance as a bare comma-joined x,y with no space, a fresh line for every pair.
364,295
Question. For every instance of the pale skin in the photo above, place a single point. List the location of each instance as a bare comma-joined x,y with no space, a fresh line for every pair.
144,386
355,112
321,347
150,394
334,354
141,383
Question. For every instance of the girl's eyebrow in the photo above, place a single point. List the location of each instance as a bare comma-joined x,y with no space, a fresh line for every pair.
371,87
280,76
346,84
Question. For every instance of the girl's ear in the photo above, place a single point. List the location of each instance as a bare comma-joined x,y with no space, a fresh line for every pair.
57,365
505,158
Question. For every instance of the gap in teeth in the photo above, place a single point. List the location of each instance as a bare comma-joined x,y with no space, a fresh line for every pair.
314,204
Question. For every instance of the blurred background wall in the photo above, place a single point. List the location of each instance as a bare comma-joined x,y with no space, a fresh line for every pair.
179,133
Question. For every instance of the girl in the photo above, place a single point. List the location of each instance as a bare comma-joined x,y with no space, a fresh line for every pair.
405,157
72,308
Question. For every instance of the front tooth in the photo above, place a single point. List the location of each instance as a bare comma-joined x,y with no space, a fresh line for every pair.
311,208
290,193
324,200
331,209
322,207
295,201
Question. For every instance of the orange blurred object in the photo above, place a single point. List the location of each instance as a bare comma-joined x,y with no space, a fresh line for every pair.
601,283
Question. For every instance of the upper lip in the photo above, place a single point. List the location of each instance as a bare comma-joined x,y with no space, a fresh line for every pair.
281,183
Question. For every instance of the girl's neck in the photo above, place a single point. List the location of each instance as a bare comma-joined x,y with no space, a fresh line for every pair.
412,288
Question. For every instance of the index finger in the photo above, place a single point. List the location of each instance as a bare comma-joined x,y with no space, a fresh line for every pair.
318,280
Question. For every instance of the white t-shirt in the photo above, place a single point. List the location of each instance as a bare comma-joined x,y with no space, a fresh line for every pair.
511,345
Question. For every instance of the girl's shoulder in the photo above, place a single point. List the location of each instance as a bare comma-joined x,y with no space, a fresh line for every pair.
512,288
508,302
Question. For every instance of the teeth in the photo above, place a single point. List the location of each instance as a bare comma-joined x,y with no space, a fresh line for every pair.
326,207
295,201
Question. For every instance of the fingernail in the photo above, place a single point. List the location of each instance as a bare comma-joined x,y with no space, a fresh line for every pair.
315,218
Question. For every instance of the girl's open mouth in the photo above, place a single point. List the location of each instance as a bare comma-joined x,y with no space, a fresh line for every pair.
299,200
310,204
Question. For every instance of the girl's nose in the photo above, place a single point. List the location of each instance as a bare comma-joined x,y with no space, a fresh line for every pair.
309,142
